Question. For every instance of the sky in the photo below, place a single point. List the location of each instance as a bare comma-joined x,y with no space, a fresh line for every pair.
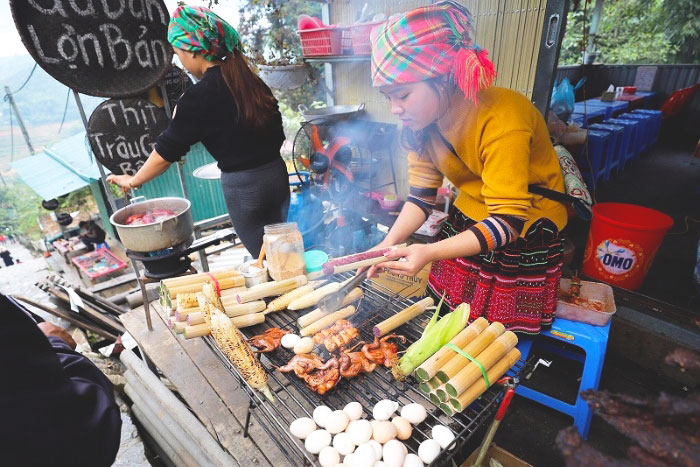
12,45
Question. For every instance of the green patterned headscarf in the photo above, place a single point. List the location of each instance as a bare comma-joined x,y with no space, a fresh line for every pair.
198,29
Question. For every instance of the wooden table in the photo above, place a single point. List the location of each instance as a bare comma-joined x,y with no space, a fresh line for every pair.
210,391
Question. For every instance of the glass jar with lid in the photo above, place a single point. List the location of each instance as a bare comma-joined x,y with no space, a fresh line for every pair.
284,249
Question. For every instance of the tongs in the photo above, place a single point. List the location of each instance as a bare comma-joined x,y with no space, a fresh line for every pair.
332,302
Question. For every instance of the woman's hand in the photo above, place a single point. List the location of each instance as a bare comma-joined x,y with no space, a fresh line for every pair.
123,181
372,271
413,258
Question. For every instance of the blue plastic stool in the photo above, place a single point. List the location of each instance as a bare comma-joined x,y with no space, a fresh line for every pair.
634,147
612,157
597,142
647,128
655,118
101,245
594,341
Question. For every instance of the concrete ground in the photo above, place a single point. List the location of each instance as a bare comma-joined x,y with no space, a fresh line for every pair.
667,178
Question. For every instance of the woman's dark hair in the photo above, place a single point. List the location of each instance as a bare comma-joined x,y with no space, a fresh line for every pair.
256,104
415,140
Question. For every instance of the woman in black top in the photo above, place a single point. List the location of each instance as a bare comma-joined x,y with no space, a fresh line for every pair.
234,114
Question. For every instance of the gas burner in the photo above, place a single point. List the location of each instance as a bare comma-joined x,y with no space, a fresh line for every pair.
175,260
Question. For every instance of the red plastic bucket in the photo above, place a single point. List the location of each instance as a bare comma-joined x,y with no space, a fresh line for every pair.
622,243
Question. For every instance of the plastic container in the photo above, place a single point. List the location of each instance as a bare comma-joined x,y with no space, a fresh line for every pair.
315,259
622,243
390,202
323,41
284,248
359,36
602,293
253,275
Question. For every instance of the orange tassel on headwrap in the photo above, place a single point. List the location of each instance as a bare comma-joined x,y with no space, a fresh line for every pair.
473,71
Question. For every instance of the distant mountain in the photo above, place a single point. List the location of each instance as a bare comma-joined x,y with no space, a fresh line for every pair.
43,99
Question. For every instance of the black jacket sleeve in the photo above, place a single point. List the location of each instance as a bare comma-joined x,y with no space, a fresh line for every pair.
58,407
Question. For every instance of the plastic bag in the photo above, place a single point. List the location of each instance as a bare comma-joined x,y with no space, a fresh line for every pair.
562,103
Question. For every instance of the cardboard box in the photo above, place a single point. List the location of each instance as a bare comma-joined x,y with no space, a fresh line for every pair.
409,286
500,455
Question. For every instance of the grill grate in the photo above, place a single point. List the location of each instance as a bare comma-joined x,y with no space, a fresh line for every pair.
295,400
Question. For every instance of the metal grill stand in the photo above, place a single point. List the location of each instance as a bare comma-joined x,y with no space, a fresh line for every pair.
170,263
295,400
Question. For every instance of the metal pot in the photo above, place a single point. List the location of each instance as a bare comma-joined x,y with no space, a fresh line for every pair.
159,235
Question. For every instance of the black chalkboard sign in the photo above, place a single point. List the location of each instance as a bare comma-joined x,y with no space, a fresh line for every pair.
108,48
176,83
122,133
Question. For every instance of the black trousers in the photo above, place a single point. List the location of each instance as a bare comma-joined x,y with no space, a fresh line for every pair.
256,198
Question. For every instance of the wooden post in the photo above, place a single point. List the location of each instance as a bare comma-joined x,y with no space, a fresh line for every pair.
103,177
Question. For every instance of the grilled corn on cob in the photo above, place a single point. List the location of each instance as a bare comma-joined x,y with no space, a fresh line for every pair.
231,342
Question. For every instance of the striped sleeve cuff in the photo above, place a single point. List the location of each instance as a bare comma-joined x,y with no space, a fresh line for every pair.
424,198
495,231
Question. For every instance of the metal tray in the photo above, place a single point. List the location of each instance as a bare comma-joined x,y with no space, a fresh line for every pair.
330,114
295,400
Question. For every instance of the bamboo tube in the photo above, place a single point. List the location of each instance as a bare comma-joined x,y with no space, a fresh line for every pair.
488,358
199,330
434,382
248,320
268,289
424,387
314,297
434,399
441,394
331,267
244,308
474,348
230,283
195,318
326,321
179,327
199,278
465,399
389,324
354,295
181,315
447,409
281,302
432,365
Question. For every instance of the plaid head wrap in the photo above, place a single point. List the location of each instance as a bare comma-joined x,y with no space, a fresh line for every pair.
198,29
428,42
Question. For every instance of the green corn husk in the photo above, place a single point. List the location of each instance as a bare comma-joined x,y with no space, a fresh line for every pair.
436,334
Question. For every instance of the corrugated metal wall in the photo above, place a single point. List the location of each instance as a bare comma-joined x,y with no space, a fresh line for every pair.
509,29
668,78
206,195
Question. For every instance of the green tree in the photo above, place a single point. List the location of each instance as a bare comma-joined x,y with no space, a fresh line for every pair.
636,31
682,23
19,209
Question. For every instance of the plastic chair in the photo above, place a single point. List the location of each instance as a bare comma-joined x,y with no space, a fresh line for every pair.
634,147
592,167
594,341
612,157
677,100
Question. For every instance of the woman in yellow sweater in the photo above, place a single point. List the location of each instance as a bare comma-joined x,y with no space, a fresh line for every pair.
500,250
